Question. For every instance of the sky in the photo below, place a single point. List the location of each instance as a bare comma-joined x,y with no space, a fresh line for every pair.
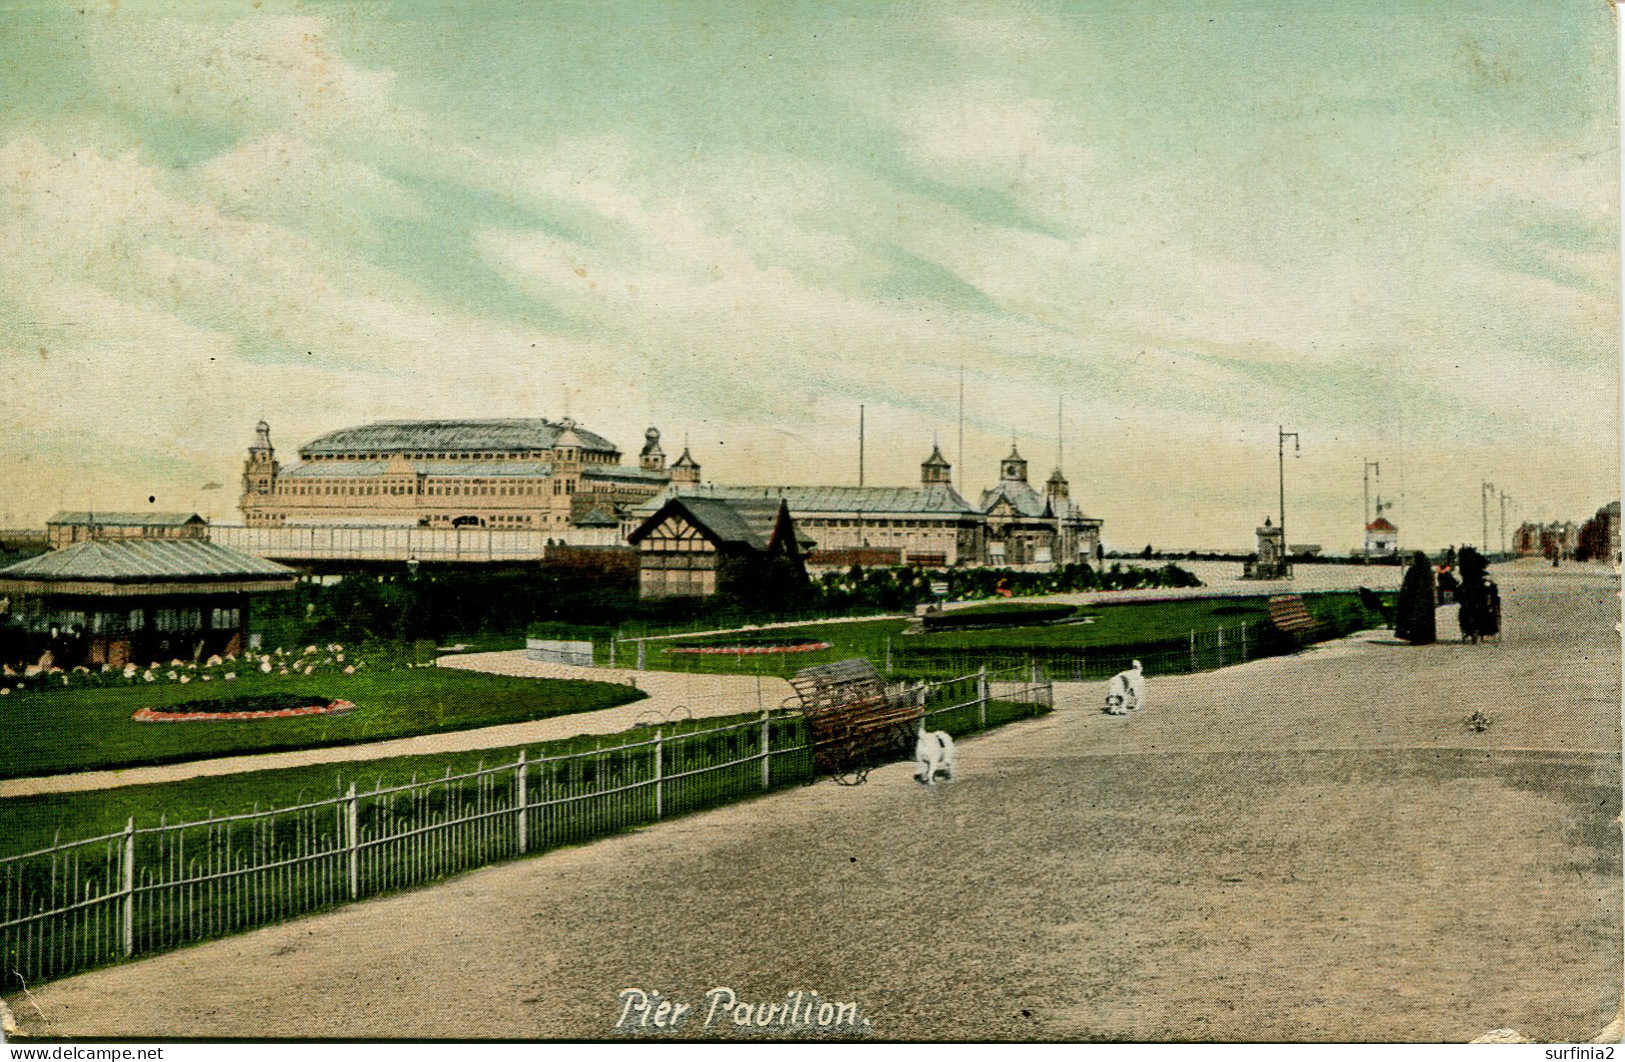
1161,232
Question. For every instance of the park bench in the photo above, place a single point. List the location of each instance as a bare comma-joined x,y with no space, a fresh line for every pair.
853,721
1291,616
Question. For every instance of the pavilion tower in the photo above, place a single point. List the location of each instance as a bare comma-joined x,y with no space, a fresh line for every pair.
935,471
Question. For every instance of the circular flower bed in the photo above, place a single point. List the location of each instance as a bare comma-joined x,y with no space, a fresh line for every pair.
799,645
264,706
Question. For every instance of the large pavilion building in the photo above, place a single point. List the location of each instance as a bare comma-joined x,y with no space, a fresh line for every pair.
1025,528
520,474
930,525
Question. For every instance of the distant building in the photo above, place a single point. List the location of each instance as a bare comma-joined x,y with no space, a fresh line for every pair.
700,546
66,528
1599,536
930,525
1556,539
1028,529
1381,539
519,474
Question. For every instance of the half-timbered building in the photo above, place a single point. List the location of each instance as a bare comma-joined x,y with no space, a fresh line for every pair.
698,547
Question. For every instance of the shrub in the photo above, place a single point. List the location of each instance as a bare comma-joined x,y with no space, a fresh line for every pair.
998,616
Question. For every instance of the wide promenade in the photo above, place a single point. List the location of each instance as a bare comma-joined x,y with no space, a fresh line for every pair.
1309,848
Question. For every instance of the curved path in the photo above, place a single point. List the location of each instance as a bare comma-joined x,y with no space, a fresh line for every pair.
704,695
1307,848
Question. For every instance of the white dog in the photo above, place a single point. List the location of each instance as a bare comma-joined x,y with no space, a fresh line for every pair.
933,753
1125,691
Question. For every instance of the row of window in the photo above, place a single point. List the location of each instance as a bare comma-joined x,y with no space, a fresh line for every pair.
678,561
817,522
501,519
589,456
659,582
566,486
664,544
122,622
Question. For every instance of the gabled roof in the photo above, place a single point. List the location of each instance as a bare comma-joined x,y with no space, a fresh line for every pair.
410,436
597,517
1380,524
750,522
103,518
1022,498
144,560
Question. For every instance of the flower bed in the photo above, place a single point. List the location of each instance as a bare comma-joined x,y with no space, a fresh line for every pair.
266,706
799,645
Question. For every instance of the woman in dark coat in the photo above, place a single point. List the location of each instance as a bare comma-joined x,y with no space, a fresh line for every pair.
1413,617
1479,618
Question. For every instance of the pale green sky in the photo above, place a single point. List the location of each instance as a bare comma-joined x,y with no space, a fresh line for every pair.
1392,227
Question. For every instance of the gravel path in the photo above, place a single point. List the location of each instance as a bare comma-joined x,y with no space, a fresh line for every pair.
703,695
1309,848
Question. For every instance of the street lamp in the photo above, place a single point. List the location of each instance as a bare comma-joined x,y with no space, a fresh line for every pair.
1369,466
1282,435
1484,492
1505,498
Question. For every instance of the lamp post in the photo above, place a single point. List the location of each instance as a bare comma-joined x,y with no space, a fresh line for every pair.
1369,466
1505,498
1282,435
1484,491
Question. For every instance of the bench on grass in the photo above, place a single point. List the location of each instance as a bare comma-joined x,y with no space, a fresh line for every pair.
1291,616
853,722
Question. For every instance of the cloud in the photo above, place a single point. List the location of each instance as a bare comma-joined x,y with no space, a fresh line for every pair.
983,136
278,176
252,73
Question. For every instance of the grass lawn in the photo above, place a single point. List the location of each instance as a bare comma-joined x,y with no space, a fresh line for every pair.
1115,624
85,729
31,822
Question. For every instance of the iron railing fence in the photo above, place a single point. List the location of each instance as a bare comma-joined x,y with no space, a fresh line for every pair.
86,902
1206,650
1196,650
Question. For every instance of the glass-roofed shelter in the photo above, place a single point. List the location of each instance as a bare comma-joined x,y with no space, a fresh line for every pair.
129,600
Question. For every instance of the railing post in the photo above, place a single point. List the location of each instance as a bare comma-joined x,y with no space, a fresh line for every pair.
642,645
1221,646
981,694
767,753
129,888
520,797
352,840
1244,640
660,785
888,655
611,648
1193,650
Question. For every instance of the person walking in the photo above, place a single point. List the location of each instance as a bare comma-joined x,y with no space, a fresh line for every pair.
1413,617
